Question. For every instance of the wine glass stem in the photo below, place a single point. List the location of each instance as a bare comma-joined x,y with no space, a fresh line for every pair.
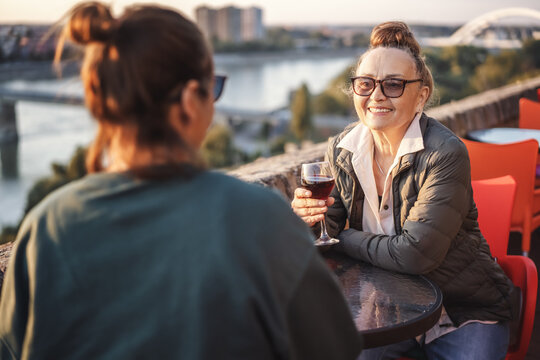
324,235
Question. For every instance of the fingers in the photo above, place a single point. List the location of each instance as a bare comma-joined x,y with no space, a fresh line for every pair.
302,199
310,210
307,203
302,193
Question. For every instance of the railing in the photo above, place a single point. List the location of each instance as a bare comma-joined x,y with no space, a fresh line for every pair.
9,98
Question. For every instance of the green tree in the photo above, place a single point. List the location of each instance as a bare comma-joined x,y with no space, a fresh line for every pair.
463,60
452,67
336,98
62,174
325,103
280,38
496,71
301,122
217,148
531,52
360,40
9,233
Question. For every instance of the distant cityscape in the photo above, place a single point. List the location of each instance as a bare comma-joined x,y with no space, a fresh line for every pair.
231,23
26,42
237,29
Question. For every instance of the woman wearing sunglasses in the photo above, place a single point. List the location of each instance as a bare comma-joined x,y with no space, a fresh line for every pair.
150,256
403,184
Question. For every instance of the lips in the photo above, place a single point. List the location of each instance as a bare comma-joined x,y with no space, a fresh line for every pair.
379,110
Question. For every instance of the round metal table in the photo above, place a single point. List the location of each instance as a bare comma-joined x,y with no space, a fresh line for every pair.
387,307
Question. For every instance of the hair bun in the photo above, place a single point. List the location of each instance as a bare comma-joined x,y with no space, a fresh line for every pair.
90,22
394,34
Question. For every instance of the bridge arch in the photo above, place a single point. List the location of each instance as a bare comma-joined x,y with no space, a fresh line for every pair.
467,33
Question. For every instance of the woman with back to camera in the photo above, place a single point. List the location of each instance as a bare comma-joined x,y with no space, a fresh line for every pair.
150,256
403,183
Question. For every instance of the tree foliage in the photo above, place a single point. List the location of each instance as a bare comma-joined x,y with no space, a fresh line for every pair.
217,148
301,122
496,71
336,98
61,175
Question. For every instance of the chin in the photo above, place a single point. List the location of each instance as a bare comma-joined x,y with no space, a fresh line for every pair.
377,124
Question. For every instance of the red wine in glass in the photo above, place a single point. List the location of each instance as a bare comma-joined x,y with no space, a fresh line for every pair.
320,186
317,177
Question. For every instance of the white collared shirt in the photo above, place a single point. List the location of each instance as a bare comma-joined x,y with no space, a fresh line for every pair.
378,216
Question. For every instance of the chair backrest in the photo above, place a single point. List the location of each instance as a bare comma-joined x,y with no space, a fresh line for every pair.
522,271
515,159
529,114
538,92
494,200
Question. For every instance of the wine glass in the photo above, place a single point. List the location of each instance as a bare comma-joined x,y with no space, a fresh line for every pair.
317,177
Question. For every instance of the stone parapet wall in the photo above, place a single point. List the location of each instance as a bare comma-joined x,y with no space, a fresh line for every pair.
280,172
494,108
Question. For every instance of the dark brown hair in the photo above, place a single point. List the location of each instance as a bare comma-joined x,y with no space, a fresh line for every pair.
133,66
396,34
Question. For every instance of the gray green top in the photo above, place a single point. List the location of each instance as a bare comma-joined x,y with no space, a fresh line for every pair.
110,267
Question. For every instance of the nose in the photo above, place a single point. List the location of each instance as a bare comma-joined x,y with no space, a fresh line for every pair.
377,93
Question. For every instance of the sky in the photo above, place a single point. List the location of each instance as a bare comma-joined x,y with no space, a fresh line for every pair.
293,12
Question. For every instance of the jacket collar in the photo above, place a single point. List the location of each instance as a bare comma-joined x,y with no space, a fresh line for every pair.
343,159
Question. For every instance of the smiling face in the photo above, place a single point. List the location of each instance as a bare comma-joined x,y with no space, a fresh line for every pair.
379,112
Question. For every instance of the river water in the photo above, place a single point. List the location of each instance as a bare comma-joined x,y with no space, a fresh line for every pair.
51,132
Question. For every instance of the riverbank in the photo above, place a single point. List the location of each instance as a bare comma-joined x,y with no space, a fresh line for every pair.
260,57
44,70
36,70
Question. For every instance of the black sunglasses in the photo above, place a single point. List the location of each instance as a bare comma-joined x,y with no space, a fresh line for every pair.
219,84
391,87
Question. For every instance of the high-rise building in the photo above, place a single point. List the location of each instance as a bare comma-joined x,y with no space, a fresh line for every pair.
252,25
231,24
207,21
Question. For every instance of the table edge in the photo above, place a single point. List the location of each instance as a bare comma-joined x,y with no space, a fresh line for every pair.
394,334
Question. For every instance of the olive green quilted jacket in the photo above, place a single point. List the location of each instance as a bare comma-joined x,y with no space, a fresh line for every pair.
435,221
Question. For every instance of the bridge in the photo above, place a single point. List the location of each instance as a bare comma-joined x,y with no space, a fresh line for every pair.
471,33
9,98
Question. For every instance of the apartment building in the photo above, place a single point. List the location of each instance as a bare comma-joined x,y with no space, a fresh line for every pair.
231,24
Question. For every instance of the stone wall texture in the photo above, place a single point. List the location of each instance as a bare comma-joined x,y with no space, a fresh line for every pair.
493,108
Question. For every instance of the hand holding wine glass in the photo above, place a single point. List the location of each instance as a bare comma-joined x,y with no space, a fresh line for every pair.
317,178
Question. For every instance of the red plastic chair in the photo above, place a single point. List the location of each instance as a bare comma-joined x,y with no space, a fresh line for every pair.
494,200
529,114
519,161
522,271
